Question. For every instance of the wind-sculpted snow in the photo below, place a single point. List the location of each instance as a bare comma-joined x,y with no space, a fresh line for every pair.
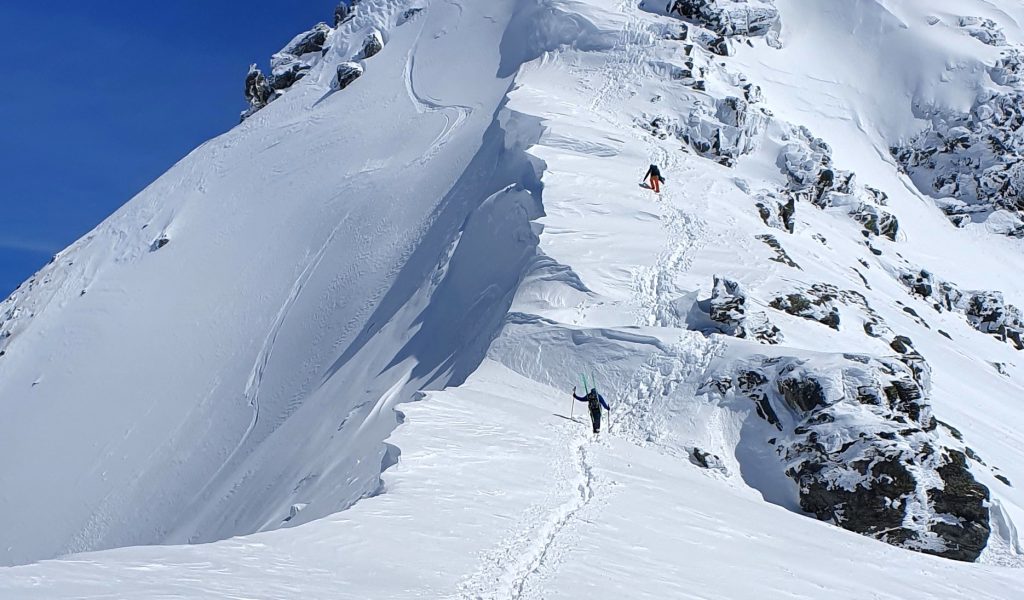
396,280
304,292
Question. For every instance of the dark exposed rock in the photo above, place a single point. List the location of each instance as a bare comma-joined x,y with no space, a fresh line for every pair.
985,311
751,384
817,305
966,501
706,460
1004,480
347,73
873,510
802,394
287,75
258,92
341,13
780,253
373,44
159,243
856,436
876,221
308,42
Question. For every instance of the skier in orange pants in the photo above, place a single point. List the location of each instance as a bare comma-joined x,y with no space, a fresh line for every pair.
653,175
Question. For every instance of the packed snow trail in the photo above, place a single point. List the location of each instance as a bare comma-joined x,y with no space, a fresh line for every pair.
545,248
480,498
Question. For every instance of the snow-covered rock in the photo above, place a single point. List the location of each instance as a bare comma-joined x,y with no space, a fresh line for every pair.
727,307
373,44
729,17
345,74
857,436
986,311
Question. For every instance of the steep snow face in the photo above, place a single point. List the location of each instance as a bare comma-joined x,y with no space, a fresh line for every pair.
790,331
231,342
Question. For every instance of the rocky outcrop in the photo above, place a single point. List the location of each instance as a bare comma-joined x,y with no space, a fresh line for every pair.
728,308
986,311
308,42
777,212
972,162
729,17
346,73
818,304
725,130
373,44
258,92
807,162
984,30
721,130
342,13
288,66
858,439
781,256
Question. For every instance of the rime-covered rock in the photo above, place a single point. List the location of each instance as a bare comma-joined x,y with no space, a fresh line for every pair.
972,162
812,177
308,42
984,30
727,307
858,439
258,92
729,17
986,311
776,212
721,131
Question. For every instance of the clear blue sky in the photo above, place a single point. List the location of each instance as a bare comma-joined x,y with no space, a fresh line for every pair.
100,97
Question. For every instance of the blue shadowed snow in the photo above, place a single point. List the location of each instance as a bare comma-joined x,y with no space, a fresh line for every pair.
104,96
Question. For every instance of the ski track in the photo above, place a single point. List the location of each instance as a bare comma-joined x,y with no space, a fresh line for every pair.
510,569
426,104
535,548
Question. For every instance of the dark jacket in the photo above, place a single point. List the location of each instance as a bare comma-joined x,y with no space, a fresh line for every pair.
653,171
595,400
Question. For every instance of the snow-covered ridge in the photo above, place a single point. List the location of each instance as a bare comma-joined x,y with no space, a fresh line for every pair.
761,327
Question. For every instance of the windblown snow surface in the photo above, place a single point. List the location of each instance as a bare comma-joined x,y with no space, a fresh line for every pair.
328,354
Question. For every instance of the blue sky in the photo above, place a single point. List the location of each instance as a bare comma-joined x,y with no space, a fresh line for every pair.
101,97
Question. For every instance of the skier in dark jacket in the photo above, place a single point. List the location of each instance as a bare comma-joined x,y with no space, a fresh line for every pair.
595,402
654,176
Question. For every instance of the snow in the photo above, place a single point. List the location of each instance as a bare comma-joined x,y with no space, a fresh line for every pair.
350,363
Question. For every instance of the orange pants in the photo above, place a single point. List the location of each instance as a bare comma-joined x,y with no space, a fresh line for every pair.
656,183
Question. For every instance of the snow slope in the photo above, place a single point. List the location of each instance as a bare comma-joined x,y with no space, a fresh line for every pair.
243,376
